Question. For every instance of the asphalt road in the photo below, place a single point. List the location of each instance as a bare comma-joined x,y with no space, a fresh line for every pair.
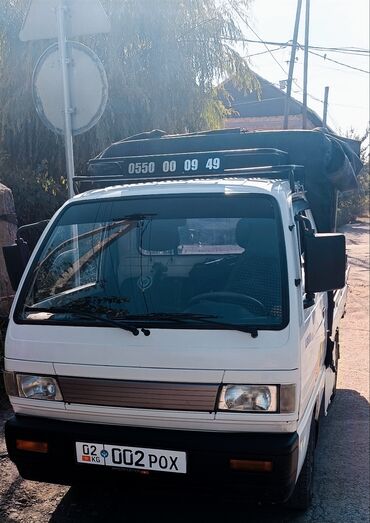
342,458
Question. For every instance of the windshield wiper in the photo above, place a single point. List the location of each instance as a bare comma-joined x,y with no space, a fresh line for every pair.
186,317
110,322
176,317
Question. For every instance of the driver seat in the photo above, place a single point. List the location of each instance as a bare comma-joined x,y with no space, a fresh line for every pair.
256,273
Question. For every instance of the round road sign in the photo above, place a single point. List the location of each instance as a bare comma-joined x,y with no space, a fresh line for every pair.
88,88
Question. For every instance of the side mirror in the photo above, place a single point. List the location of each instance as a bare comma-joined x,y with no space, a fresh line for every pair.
16,257
325,262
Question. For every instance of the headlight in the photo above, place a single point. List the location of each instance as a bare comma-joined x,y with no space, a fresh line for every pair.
249,398
258,398
38,387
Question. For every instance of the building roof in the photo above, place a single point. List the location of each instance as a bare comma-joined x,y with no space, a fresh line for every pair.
268,101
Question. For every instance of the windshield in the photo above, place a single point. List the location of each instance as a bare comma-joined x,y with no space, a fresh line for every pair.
219,256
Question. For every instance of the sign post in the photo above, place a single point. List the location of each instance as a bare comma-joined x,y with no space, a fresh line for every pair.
68,110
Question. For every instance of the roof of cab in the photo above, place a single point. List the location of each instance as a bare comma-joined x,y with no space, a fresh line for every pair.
217,185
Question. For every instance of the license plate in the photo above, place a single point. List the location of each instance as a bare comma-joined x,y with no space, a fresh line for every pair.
131,457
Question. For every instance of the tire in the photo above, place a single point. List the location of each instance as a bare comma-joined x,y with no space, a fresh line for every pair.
301,498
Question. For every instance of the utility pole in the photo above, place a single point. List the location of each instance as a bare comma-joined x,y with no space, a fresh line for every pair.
325,115
68,110
291,64
305,70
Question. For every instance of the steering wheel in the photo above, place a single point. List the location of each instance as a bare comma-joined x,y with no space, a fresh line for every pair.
232,297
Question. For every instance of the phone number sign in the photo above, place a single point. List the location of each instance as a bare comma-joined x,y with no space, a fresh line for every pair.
173,165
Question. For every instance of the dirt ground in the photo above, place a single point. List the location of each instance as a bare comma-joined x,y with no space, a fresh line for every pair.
342,471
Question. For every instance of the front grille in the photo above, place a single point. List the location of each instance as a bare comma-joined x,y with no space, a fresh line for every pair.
139,394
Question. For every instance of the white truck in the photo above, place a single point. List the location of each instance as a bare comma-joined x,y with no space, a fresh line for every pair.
179,320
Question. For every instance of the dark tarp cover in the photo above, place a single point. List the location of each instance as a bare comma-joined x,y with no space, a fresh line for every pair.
331,164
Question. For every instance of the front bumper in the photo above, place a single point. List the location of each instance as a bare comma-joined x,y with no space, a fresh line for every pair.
208,455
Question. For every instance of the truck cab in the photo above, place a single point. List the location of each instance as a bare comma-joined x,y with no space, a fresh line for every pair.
178,318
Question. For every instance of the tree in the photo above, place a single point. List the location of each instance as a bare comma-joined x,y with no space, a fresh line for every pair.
164,60
356,203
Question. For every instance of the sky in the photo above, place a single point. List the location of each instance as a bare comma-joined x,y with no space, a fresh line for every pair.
333,23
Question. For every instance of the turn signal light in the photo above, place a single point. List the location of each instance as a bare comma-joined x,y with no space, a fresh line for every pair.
247,465
32,446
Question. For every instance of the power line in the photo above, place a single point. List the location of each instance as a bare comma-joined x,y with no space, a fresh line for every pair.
349,50
351,106
195,27
346,50
265,52
285,44
258,101
308,94
324,57
364,52
270,51
328,67
259,38
300,90
336,124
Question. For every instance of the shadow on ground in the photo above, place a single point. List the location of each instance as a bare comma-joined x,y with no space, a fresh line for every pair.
341,485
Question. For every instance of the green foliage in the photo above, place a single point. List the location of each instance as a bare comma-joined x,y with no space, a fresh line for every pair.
163,60
37,195
355,204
